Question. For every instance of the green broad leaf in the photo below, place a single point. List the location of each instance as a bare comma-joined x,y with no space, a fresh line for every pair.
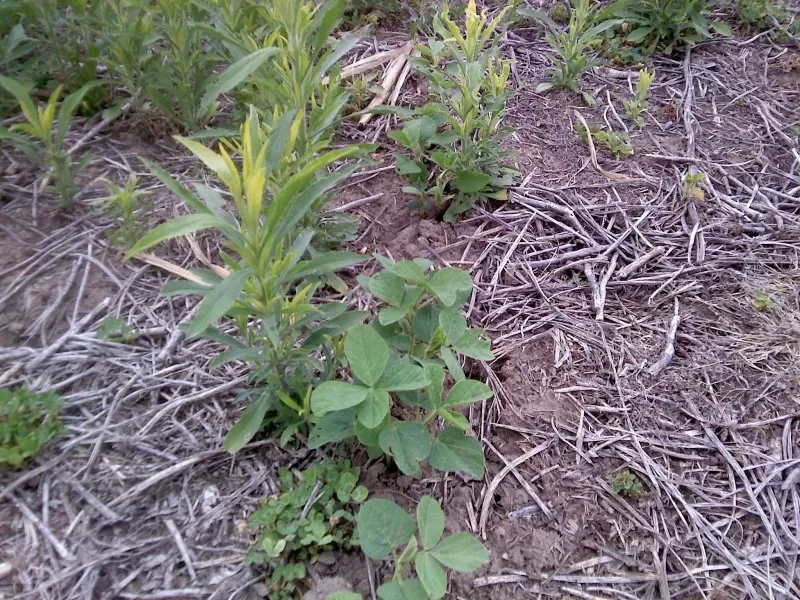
466,392
217,302
409,443
473,346
367,353
387,316
333,427
425,322
332,396
177,227
382,526
387,287
333,327
432,576
453,450
448,283
345,596
408,589
461,552
721,28
433,391
323,263
409,270
20,93
248,424
637,35
369,436
470,182
454,324
406,166
402,375
430,522
374,409
455,419
452,364
235,74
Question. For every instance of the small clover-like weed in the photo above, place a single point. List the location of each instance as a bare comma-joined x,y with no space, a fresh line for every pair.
762,302
635,107
28,421
691,186
311,515
761,15
385,529
115,329
625,483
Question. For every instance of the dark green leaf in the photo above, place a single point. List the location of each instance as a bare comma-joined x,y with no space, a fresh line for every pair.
473,346
367,353
323,263
248,424
390,315
470,182
235,74
388,287
374,409
453,323
430,521
382,527
432,576
408,442
332,396
452,450
447,283
333,427
461,552
217,302
466,392
402,375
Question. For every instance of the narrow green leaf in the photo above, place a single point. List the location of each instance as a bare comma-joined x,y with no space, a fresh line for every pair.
409,443
452,364
382,527
367,353
455,419
235,74
278,139
430,521
461,552
177,227
326,262
174,186
432,576
466,392
374,409
217,302
453,450
248,424
68,108
333,396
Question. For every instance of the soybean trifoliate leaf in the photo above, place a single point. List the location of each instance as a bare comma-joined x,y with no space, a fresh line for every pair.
388,287
374,409
333,427
402,375
454,324
390,315
430,522
331,396
470,182
466,392
409,552
369,436
455,419
432,576
367,353
452,363
433,391
425,322
409,270
382,527
447,283
408,442
453,450
461,552
473,346
409,589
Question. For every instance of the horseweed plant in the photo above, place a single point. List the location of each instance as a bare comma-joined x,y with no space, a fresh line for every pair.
42,136
454,141
125,205
272,271
634,107
570,60
311,515
403,358
383,528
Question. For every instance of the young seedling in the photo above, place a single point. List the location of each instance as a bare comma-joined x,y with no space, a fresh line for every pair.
569,59
618,143
28,421
626,483
125,205
385,530
762,302
691,186
42,137
635,107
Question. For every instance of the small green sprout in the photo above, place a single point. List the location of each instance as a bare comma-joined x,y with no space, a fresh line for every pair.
762,302
626,483
634,107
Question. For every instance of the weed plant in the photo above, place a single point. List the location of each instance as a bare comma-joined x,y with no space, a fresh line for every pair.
126,206
454,140
635,107
28,421
618,143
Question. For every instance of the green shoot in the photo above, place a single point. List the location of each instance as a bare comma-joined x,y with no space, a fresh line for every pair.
635,107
